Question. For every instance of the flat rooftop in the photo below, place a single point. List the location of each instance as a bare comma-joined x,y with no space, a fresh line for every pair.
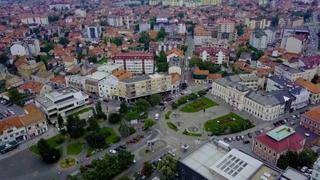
265,173
236,165
203,158
281,132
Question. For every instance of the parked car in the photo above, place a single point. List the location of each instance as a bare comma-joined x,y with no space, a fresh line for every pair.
246,142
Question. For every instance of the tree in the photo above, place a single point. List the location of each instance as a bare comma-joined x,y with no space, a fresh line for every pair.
148,123
168,167
125,159
306,158
53,18
275,21
155,99
75,126
161,62
100,113
123,108
4,59
60,122
96,140
145,39
240,30
114,118
16,97
161,34
64,41
109,166
118,41
93,125
142,105
315,79
47,153
147,169
124,129
92,59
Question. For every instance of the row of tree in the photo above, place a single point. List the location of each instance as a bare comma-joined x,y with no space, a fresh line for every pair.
109,166
297,160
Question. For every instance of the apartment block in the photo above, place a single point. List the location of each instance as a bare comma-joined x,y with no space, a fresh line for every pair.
136,62
141,86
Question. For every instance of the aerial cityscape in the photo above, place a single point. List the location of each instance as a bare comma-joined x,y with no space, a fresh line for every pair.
160,89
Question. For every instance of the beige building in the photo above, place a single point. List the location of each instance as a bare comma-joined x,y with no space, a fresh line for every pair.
31,67
314,90
236,92
140,86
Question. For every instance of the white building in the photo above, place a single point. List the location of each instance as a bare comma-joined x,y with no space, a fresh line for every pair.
59,6
93,32
108,86
136,62
80,13
316,170
61,101
35,19
26,47
23,127
234,91
258,39
115,21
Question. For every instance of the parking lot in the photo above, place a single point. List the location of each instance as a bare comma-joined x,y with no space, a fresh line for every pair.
7,109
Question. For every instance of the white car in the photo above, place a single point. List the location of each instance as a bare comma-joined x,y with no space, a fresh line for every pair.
156,116
112,151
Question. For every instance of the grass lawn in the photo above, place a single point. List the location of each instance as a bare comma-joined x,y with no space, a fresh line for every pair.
192,134
227,124
74,148
167,115
83,111
198,105
111,136
172,126
103,61
54,141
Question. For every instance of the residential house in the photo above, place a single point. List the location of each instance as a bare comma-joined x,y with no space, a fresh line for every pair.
135,62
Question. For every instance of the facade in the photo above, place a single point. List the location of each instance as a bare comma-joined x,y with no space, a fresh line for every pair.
31,67
215,55
26,47
23,127
93,32
201,36
258,39
60,101
313,89
141,86
136,62
35,19
115,21
311,120
235,91
271,145
301,95
316,170
108,86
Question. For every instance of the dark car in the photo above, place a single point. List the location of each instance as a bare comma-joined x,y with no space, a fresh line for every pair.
246,142
249,135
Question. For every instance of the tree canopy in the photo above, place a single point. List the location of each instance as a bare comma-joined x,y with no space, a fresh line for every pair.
75,126
109,166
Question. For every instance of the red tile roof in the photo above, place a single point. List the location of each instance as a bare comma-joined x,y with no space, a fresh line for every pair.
292,143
